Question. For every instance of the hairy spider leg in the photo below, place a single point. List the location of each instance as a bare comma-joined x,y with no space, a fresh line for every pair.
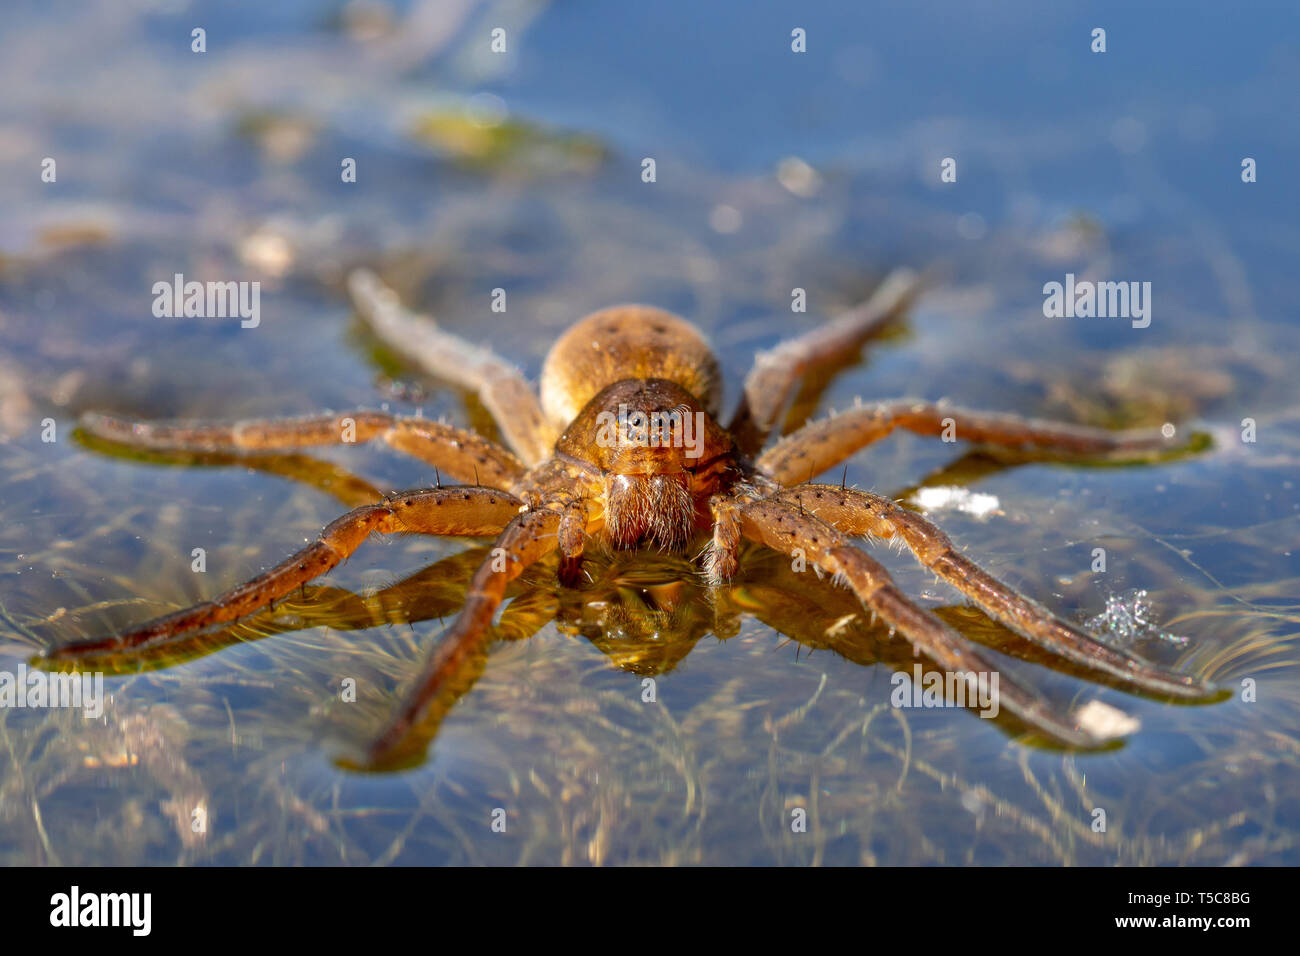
782,526
823,444
863,513
460,510
463,454
776,373
502,389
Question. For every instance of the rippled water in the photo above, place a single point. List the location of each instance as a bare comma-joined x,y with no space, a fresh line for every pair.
774,171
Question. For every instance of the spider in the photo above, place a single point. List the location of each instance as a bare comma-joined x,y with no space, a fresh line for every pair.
622,446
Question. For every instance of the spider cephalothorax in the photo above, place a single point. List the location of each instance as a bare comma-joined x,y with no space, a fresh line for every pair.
657,458
623,446
639,389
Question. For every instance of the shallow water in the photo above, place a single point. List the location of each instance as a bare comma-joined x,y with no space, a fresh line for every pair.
225,165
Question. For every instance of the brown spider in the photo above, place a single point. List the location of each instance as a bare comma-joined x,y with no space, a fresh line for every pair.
642,461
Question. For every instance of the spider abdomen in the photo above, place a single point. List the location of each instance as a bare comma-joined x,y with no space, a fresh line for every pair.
626,342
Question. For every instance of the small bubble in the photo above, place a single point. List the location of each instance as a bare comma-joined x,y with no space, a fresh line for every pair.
971,226
1128,135
725,219
486,110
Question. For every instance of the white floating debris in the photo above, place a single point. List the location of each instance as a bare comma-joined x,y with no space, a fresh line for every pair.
1104,721
268,251
798,177
725,219
952,498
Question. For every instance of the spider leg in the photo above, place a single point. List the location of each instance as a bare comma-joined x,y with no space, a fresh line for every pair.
528,537
825,443
816,614
500,386
860,513
819,616
572,539
461,453
721,559
435,591
776,373
780,525
459,510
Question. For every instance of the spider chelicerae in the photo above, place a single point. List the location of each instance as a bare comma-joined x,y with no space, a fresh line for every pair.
623,446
